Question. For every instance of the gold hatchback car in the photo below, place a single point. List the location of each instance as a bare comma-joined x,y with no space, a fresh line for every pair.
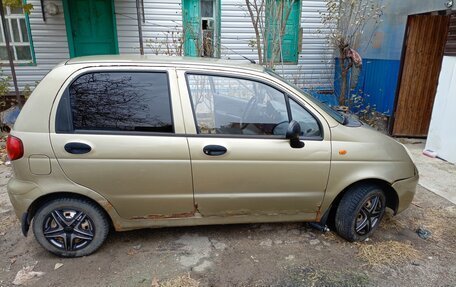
128,142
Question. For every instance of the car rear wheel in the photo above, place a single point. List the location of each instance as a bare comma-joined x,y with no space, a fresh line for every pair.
359,212
70,227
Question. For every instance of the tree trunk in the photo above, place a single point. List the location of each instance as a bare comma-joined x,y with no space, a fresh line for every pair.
343,78
258,44
343,87
257,30
10,55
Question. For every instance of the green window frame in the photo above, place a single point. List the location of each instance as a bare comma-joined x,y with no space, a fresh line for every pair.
194,26
283,26
20,36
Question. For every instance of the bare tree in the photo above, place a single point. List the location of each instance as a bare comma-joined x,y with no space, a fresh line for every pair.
269,19
256,12
27,8
346,21
171,43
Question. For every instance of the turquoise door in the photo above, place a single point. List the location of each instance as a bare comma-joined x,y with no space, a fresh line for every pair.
91,28
291,36
191,23
275,19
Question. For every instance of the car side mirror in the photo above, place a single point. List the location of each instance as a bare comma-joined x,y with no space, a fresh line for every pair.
293,134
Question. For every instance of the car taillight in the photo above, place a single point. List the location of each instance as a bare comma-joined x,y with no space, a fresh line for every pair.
14,148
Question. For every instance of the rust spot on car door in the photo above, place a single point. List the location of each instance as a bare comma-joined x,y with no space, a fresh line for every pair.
106,205
168,216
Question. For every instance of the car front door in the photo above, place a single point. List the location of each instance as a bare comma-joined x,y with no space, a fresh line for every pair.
115,133
241,161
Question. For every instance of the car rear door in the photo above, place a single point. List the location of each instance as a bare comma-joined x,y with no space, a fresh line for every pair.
241,162
115,133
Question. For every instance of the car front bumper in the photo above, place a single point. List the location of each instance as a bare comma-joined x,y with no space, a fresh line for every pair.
405,189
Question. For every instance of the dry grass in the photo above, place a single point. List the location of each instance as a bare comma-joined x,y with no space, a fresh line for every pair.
181,281
392,223
387,253
440,221
7,221
310,276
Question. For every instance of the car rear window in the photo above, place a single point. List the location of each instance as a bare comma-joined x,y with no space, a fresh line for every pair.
119,101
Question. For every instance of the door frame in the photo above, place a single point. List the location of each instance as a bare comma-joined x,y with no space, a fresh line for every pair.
69,28
186,22
392,120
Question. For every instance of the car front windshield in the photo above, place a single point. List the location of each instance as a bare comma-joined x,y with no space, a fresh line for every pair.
334,114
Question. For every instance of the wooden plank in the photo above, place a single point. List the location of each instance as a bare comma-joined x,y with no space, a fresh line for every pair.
426,37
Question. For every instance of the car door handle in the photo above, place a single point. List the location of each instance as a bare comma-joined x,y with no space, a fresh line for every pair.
214,150
77,148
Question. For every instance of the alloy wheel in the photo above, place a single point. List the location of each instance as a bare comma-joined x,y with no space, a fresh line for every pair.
369,215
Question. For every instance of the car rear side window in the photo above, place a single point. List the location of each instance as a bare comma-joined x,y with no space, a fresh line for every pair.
120,101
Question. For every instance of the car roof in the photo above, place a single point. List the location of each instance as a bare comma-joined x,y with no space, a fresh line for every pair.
164,60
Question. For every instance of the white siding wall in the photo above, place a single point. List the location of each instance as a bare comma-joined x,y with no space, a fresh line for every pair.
161,17
315,67
316,58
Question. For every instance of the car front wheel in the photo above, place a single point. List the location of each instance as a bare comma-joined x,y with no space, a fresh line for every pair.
70,227
359,212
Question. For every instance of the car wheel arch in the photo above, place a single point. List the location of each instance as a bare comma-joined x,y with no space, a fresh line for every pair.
392,199
38,202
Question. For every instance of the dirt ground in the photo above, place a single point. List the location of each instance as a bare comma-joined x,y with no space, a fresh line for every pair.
287,254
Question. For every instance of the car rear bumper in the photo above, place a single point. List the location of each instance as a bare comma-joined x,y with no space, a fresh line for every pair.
405,190
19,193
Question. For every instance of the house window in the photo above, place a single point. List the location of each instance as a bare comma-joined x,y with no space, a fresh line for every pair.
201,25
283,30
18,30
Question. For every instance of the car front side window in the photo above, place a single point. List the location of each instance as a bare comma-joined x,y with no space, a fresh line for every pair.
309,125
236,106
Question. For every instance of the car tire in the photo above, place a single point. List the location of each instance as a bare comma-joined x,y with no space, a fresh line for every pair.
70,227
359,212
